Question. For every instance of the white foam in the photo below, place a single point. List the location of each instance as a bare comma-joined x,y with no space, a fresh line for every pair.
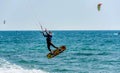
6,67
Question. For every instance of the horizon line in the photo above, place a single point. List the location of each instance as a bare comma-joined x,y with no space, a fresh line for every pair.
64,30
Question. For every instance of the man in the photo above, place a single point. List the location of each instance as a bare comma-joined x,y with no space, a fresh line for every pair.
48,35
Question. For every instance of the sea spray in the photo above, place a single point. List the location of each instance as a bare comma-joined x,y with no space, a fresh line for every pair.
7,67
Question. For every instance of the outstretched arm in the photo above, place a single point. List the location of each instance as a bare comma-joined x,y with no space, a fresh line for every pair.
43,32
46,31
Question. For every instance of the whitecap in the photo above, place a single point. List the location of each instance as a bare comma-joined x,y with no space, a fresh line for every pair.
7,67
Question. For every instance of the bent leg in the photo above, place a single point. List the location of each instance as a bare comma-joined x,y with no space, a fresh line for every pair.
53,45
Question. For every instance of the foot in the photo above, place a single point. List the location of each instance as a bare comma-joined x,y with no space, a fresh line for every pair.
57,48
51,53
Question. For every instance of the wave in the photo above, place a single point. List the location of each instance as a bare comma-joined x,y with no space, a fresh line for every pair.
7,67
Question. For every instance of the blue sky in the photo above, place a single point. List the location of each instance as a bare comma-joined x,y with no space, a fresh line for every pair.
59,14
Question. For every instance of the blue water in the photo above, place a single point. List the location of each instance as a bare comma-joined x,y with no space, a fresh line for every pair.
87,52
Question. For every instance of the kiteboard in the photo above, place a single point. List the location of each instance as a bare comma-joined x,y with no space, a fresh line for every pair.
56,52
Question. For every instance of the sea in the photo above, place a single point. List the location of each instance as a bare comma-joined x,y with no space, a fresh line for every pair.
89,51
